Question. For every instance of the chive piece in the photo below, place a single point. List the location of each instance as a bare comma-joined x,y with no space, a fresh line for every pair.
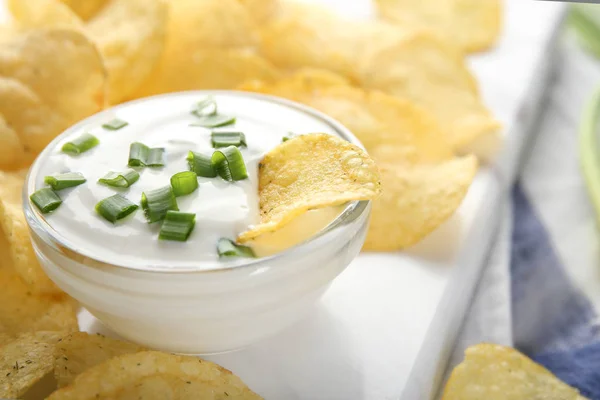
46,200
225,139
229,164
115,124
63,181
227,248
184,183
177,226
81,144
206,106
201,165
115,207
213,121
290,135
120,179
157,202
141,155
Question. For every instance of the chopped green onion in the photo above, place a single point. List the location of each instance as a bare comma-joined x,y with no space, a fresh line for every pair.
229,164
63,181
224,139
45,200
213,121
115,207
201,165
290,135
115,124
141,155
157,202
177,226
227,248
81,144
120,179
206,106
184,183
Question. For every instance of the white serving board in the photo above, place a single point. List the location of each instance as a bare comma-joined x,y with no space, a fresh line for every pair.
386,326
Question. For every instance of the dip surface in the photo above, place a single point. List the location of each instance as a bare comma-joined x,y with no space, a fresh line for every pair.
223,209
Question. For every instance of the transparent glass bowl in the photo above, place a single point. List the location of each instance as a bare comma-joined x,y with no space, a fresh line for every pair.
200,311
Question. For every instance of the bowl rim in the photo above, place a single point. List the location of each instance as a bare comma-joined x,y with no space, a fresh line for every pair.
50,237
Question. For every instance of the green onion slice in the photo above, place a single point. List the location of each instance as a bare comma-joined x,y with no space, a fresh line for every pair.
81,144
120,179
201,165
177,226
66,180
227,248
157,202
141,155
213,121
46,200
206,106
115,207
229,164
225,139
115,124
184,183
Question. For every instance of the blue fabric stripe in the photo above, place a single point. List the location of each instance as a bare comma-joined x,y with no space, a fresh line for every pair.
553,322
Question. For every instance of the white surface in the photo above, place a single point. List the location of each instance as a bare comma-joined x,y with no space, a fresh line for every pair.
371,328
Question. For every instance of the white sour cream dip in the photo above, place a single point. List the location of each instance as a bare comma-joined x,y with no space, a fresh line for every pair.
223,209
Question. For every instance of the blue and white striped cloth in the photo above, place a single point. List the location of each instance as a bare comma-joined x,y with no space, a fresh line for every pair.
540,291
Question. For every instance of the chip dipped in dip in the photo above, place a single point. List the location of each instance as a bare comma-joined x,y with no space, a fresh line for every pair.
191,195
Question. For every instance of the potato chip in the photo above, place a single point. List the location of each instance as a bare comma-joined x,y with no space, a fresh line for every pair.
14,226
22,311
310,172
262,10
473,25
153,375
80,351
43,13
11,148
41,93
85,9
494,372
25,361
416,199
420,69
220,69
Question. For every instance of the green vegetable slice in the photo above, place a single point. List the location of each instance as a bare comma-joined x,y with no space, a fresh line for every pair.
201,165
81,144
141,155
213,121
115,207
229,164
120,179
157,202
46,200
66,180
228,248
225,139
115,124
184,183
177,226
206,106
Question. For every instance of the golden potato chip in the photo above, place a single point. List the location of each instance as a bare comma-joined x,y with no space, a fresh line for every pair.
14,226
209,69
85,9
11,148
25,361
494,372
310,172
41,92
22,311
153,375
43,14
262,10
80,351
416,199
130,35
472,25
420,69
